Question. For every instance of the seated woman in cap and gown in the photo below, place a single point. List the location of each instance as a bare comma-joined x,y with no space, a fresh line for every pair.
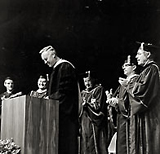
41,92
93,118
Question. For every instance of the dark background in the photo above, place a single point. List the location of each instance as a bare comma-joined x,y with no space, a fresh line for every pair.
94,35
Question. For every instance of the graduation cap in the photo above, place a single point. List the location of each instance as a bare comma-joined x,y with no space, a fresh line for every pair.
130,61
45,76
148,47
8,78
87,74
47,48
42,77
90,74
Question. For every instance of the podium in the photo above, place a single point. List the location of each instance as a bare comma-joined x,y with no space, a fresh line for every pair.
32,123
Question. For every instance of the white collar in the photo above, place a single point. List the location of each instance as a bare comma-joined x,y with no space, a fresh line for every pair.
41,91
131,76
147,62
62,61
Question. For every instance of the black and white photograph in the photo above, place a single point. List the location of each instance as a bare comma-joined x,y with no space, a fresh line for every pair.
80,77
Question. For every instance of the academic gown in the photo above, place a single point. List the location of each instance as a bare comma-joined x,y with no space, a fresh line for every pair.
123,114
63,87
93,119
38,94
5,95
145,112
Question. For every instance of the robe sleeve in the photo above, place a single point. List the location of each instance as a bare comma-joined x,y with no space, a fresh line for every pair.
145,90
123,101
99,111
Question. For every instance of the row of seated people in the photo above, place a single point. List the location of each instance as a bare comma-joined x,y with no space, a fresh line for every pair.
41,92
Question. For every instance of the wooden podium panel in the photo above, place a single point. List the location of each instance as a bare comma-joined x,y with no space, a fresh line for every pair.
32,123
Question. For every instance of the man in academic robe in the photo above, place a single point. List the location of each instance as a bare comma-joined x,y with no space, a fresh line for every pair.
145,104
93,118
64,88
120,100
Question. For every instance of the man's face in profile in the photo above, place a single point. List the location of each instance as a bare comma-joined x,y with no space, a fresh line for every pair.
49,58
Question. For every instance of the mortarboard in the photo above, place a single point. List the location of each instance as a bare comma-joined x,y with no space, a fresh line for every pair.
47,48
149,47
130,60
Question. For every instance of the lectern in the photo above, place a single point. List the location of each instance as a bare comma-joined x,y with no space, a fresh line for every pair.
32,123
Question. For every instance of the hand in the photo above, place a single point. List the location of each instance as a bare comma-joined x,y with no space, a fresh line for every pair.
84,103
123,82
109,93
93,100
3,98
46,97
112,101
